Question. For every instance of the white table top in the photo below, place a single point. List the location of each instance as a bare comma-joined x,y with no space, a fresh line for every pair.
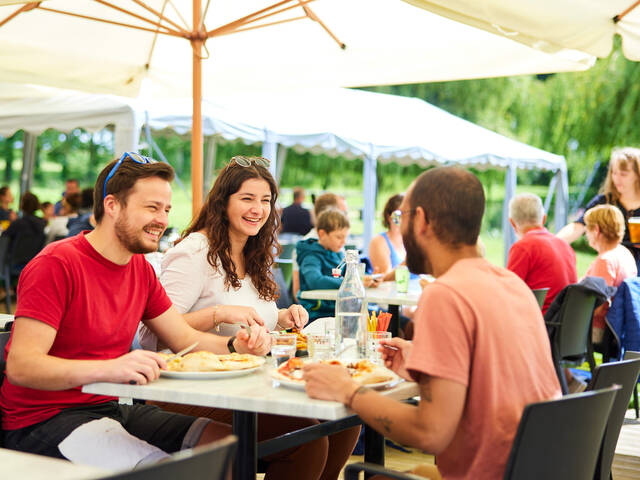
254,393
4,319
27,466
385,292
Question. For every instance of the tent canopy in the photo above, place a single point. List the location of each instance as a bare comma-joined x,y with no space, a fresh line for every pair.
387,42
354,123
550,25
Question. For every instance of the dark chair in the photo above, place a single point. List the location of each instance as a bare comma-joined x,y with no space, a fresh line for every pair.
624,374
209,462
541,295
5,270
629,355
570,336
556,440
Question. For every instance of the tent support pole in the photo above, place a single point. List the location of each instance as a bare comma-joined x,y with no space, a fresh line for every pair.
562,198
28,161
270,152
509,235
209,164
370,192
282,157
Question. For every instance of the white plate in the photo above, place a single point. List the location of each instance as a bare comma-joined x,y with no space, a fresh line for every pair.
208,375
300,385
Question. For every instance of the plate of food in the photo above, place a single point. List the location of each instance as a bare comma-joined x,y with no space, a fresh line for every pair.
364,372
207,365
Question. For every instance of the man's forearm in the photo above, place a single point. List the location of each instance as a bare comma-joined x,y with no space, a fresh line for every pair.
46,372
395,420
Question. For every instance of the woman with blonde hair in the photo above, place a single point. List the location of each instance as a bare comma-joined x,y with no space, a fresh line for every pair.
620,188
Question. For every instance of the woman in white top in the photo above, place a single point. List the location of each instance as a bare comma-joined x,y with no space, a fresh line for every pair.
219,276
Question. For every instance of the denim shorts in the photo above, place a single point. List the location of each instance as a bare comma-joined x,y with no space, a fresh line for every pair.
169,432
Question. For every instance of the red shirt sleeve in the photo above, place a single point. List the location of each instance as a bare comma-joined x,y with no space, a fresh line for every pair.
43,290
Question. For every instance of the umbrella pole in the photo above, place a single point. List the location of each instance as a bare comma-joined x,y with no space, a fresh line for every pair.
196,128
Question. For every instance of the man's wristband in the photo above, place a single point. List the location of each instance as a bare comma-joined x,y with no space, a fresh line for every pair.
230,346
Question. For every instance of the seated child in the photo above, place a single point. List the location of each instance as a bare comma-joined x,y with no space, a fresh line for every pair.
614,263
317,258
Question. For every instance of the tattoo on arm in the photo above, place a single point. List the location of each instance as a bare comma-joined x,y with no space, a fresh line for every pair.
385,422
425,388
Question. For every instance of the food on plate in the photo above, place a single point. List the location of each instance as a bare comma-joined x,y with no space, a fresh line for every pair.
362,371
301,340
210,362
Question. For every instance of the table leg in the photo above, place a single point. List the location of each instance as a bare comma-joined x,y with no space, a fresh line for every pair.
373,447
394,324
245,427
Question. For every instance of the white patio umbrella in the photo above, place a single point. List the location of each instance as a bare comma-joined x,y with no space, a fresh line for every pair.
551,25
186,47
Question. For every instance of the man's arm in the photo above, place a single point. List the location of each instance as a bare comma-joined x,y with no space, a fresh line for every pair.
172,330
30,365
429,426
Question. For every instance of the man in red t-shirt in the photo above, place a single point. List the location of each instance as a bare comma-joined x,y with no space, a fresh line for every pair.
539,258
473,317
79,304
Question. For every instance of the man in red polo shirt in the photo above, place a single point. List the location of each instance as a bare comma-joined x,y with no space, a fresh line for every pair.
540,258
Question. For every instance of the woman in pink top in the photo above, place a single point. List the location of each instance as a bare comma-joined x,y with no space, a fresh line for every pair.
605,229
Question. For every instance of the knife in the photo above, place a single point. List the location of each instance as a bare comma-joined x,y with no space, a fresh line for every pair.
182,352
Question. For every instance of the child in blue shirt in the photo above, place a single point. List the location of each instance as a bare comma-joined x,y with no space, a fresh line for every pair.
317,259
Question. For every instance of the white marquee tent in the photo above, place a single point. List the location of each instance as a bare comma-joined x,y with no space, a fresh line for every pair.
375,127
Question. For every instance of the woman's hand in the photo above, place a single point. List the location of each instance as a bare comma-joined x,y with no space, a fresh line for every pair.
238,314
395,358
294,316
369,282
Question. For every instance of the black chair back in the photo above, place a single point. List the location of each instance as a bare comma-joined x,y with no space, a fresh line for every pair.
570,336
208,462
625,374
541,295
560,439
630,355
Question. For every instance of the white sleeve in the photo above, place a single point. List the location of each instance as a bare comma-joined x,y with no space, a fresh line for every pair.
183,276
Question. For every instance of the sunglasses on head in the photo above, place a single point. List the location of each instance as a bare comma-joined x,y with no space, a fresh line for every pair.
247,161
136,157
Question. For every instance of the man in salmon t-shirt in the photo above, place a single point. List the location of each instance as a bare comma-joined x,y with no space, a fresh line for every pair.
480,352
79,304
539,258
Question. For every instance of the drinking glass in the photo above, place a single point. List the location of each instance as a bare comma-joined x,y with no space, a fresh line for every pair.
634,229
320,346
373,344
283,347
402,279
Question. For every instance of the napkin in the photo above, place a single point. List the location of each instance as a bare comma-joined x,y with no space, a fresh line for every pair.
106,444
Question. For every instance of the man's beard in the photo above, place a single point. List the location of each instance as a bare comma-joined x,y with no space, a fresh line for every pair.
417,260
130,238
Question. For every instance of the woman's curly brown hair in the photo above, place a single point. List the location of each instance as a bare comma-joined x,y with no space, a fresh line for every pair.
259,250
